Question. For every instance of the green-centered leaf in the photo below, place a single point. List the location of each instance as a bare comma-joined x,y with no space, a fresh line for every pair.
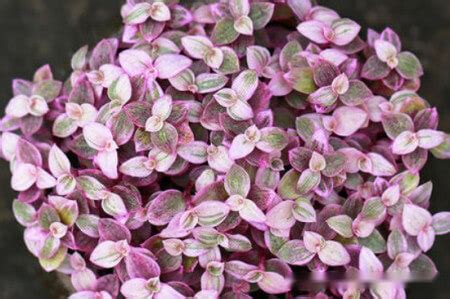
88,224
261,13
302,80
396,123
295,253
165,139
25,213
230,64
409,66
303,210
224,32
48,89
237,181
91,187
287,188
55,261
374,242
373,209
341,224
165,206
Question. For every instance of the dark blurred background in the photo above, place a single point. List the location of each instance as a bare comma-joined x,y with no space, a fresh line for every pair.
35,32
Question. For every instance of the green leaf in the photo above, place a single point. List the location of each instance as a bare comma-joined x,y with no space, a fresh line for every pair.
396,243
396,123
373,209
48,89
409,66
443,150
55,261
272,139
165,139
63,126
79,58
341,224
289,51
294,252
80,147
238,243
261,13
121,127
68,212
304,211
165,206
287,189
142,140
274,242
92,188
47,215
25,213
423,267
408,181
88,224
138,112
230,64
335,164
374,242
302,80
305,128
308,181
210,82
297,100
224,32
237,181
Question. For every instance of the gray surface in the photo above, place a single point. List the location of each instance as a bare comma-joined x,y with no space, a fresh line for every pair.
34,32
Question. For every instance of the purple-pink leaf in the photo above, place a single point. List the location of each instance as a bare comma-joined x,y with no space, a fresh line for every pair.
346,120
109,254
334,254
165,206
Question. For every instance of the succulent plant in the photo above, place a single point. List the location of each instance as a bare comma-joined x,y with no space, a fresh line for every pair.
219,148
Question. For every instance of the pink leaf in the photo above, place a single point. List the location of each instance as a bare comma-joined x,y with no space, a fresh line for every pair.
58,162
195,152
348,120
135,62
334,254
415,219
165,206
196,46
170,65
345,30
369,264
425,239
245,84
99,137
108,254
107,161
280,216
279,86
17,106
430,138
405,143
241,147
274,283
135,288
44,180
314,30
24,176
